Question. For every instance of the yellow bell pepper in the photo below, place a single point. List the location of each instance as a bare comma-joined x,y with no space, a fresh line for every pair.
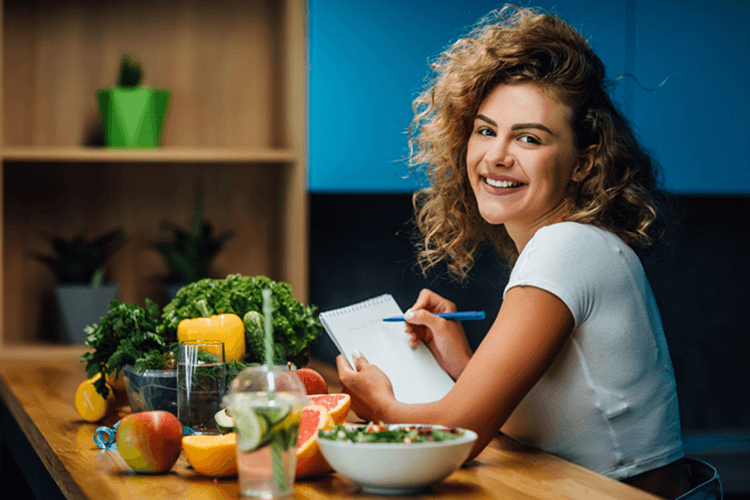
226,328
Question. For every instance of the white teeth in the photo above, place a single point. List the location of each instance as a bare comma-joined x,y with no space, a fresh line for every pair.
502,184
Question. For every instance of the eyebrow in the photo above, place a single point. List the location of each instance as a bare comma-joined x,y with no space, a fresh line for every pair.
518,126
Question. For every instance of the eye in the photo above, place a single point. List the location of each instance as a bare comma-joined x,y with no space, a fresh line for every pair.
529,139
486,131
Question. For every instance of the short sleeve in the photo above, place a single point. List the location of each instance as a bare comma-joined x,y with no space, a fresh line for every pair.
568,260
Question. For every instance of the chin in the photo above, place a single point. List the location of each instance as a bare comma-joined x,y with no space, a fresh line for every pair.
492,214
493,218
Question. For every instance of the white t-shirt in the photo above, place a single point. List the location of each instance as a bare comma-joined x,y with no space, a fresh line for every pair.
608,402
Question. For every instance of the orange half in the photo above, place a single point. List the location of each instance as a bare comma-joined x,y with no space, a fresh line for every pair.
212,455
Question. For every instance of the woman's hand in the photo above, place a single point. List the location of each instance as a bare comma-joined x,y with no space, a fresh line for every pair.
369,388
445,338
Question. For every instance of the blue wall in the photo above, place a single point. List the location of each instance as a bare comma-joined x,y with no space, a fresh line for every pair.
369,59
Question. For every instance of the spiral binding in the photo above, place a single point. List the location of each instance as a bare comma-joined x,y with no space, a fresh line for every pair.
359,306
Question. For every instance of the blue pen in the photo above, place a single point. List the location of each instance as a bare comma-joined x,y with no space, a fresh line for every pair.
460,316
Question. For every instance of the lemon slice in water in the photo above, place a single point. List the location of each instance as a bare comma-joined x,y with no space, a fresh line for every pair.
251,429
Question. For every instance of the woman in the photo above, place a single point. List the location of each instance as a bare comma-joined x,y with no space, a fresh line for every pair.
525,150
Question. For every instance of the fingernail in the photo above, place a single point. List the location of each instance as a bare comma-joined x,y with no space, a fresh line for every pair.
408,315
356,354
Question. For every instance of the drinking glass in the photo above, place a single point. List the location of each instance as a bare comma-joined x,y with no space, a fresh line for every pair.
201,383
266,406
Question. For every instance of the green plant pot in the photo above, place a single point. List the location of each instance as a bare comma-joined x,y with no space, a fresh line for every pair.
132,117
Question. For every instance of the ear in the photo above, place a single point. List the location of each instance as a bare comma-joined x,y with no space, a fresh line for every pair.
583,170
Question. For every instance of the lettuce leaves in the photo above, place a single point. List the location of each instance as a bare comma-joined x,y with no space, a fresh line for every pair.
295,326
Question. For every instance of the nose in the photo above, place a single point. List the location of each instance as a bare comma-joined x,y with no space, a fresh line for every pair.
498,154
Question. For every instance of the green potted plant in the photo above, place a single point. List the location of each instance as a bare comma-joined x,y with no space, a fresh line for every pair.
81,296
132,116
190,253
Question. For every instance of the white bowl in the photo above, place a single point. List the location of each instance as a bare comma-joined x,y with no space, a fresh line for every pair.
397,468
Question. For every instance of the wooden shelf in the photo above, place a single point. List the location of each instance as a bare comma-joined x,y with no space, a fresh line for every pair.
236,126
74,154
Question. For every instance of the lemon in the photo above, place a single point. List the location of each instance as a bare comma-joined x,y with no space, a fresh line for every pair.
91,406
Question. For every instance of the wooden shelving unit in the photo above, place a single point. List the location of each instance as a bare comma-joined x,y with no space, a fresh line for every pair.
237,70
162,155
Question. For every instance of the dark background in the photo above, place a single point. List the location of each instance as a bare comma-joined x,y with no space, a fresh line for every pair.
360,247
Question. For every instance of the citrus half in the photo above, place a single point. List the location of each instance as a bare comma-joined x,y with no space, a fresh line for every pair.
337,405
310,460
212,455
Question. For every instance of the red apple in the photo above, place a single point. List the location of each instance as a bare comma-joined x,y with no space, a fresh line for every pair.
314,382
149,441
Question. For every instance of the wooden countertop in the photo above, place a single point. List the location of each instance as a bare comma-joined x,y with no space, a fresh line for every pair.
38,384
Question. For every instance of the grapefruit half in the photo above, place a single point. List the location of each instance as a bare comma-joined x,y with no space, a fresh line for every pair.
310,461
336,404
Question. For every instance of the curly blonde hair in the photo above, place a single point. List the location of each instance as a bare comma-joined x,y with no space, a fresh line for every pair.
522,45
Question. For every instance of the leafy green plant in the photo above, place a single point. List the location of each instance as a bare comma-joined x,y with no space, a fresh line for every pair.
127,334
146,339
295,326
80,261
190,254
130,74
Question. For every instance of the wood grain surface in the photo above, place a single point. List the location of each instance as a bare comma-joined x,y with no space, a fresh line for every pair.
37,385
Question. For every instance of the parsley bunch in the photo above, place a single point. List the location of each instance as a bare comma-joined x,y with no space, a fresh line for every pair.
126,335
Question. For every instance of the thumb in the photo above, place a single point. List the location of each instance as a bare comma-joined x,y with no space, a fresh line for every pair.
359,360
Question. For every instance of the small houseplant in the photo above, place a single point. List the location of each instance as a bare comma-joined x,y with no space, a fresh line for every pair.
80,294
190,254
132,116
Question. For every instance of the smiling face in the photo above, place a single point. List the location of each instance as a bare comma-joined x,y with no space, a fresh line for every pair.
521,159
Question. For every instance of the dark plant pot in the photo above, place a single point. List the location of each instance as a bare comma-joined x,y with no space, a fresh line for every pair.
80,306
132,117
172,289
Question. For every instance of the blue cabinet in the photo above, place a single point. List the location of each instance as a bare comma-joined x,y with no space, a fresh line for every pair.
368,60
698,122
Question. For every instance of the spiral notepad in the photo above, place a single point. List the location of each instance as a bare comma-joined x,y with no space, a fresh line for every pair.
414,372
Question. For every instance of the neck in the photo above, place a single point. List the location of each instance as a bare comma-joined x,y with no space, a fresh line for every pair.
522,232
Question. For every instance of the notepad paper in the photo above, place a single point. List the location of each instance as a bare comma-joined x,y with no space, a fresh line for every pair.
415,374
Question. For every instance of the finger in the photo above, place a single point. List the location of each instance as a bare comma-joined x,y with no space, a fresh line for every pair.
342,364
425,300
433,302
414,340
359,360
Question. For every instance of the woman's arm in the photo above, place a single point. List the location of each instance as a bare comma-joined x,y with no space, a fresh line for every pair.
529,331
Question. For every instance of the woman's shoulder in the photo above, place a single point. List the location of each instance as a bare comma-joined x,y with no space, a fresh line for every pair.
574,234
575,245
